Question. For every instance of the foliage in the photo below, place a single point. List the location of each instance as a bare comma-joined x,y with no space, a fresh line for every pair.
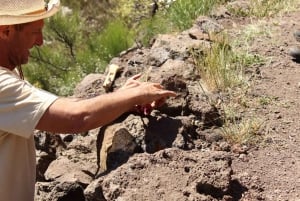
220,66
245,131
72,52
149,28
183,12
132,11
170,16
115,38
96,12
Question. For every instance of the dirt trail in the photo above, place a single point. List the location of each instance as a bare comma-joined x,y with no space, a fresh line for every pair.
275,165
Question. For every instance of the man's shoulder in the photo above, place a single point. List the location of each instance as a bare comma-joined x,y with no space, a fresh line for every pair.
4,69
7,72
9,79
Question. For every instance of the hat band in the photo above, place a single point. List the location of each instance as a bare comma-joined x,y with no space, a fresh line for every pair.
37,12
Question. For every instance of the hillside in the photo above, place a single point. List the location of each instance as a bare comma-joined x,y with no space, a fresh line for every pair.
180,152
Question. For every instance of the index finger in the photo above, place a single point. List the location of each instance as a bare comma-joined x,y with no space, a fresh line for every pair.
135,77
167,93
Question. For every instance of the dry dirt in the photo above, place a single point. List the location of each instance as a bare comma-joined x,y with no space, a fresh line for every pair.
274,166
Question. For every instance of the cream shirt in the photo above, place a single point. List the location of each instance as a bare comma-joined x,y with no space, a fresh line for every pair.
21,107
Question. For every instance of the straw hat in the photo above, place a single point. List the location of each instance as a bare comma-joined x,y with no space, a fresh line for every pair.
22,11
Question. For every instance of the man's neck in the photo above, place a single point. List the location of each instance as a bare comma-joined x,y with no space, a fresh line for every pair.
4,56
6,64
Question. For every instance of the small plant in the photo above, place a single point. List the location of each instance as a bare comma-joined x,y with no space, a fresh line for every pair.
250,32
240,126
242,132
222,66
265,100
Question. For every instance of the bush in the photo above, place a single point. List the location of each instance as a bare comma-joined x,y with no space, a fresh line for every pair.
71,52
115,38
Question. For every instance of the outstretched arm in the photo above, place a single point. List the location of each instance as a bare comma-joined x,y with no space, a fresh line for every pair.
66,115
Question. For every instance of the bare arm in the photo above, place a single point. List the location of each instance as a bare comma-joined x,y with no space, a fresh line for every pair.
66,115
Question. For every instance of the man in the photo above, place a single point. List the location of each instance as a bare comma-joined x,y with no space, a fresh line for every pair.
24,108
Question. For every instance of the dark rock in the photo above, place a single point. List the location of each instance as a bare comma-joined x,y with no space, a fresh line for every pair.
198,174
90,86
94,192
66,192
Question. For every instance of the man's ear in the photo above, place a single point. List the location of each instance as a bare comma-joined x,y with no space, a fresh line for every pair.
4,31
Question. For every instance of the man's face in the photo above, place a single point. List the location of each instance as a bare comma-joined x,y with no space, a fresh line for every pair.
21,39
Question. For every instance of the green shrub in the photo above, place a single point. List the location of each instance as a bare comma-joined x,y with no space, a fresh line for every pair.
149,28
115,38
71,52
183,12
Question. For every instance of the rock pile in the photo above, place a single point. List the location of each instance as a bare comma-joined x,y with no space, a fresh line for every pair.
176,153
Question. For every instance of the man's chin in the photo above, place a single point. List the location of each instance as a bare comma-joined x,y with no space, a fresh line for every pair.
25,61
21,62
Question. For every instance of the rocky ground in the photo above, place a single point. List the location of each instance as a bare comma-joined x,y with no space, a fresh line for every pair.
178,152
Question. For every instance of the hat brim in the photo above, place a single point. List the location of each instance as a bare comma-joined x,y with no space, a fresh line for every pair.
20,19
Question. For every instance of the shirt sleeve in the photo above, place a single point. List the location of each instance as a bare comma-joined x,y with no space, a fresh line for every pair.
21,104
